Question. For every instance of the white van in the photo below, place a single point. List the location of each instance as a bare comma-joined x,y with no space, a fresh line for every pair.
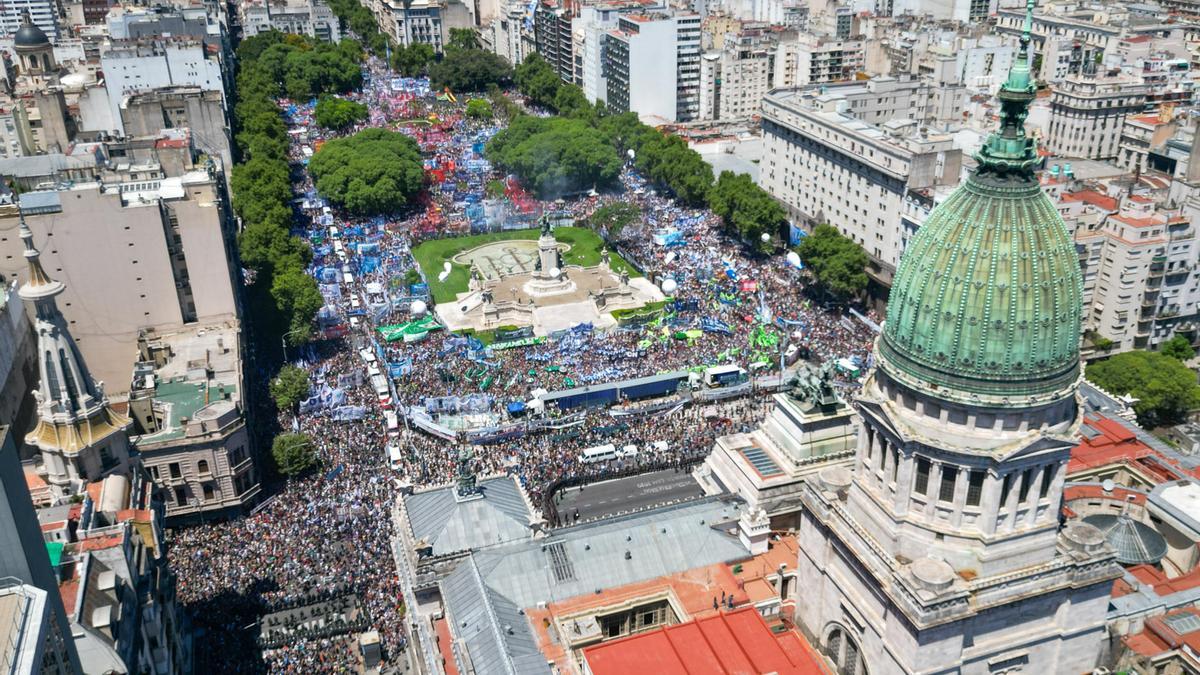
395,461
600,453
367,355
628,451
392,422
660,446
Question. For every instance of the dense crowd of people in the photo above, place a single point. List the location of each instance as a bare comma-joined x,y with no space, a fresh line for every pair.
330,531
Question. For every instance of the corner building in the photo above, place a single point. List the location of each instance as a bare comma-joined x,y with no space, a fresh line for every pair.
941,550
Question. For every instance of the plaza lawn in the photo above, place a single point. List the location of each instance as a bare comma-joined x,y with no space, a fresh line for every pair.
585,252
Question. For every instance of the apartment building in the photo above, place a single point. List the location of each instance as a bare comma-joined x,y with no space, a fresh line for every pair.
554,40
43,14
734,79
39,641
827,166
1087,114
1140,280
302,17
814,59
1142,135
189,425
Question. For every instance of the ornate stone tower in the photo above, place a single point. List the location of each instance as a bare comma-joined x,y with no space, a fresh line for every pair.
942,551
79,436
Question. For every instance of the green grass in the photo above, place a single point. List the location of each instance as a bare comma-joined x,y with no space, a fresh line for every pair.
585,252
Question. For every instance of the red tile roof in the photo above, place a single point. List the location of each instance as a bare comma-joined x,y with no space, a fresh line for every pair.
1091,197
1115,443
724,644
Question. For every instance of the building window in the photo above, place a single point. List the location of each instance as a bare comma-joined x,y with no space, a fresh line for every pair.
1047,478
921,484
975,487
208,492
154,472
181,496
895,463
175,471
202,466
1026,482
949,476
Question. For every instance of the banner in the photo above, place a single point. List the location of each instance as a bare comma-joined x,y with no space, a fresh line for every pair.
513,344
348,413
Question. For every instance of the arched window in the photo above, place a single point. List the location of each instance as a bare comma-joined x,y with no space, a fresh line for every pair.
46,62
202,466
842,649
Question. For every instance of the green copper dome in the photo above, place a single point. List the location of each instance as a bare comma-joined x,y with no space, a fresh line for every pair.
986,303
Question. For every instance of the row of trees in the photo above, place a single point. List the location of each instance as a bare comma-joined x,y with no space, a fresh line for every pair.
372,172
300,68
283,298
746,210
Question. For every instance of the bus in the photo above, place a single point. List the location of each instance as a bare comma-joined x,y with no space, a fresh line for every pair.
600,453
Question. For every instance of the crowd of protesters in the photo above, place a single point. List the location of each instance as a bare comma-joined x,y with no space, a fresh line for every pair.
329,533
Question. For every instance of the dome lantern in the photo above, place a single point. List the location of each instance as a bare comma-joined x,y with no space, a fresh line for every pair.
986,304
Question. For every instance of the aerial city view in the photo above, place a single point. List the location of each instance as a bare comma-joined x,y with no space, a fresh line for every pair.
600,337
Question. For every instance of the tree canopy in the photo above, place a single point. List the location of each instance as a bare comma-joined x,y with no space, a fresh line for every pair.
296,295
289,387
555,155
537,80
836,262
301,68
1164,387
355,16
412,61
479,108
746,210
466,70
372,172
1178,347
463,38
338,113
668,161
610,219
293,454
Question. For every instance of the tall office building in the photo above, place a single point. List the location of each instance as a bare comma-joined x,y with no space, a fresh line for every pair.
942,551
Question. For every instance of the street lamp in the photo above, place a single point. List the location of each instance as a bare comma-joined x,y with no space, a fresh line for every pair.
283,340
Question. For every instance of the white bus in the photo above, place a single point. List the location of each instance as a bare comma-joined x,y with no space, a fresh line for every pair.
600,453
